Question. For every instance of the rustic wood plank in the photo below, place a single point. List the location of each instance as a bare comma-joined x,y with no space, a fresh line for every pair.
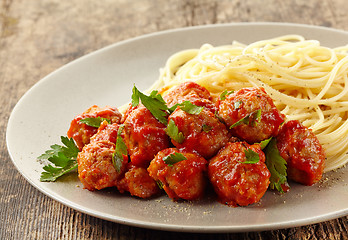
37,37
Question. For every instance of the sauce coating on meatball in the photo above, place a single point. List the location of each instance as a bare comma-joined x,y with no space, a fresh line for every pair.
235,182
81,133
227,132
302,151
203,132
106,131
144,136
138,182
190,91
182,180
95,167
246,103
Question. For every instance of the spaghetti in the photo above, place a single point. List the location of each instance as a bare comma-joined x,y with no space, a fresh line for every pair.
307,82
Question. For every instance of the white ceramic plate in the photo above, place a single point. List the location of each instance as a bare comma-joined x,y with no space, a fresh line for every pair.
106,77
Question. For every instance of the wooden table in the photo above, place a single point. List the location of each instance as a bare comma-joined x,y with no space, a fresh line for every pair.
37,37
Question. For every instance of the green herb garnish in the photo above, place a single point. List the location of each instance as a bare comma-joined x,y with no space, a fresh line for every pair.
224,94
250,119
207,128
188,107
251,156
160,184
154,103
264,143
63,157
276,165
173,132
94,122
216,114
171,159
158,107
120,150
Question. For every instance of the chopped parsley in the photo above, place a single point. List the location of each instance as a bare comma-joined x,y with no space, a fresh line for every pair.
171,159
251,156
264,143
120,150
154,103
224,94
216,114
63,159
207,128
160,184
173,132
94,121
158,107
188,107
250,119
276,165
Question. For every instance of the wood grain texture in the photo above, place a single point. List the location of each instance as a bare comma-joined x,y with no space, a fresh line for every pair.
37,37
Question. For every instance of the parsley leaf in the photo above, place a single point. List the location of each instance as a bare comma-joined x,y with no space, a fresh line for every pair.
224,94
63,157
207,128
188,107
70,150
52,173
251,156
158,107
55,149
94,121
276,165
135,97
120,150
250,119
171,159
264,143
216,114
154,103
173,132
160,184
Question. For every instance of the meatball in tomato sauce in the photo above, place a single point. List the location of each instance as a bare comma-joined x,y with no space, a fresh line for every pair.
107,132
302,151
138,182
181,180
236,182
144,136
250,114
190,91
81,133
202,133
95,167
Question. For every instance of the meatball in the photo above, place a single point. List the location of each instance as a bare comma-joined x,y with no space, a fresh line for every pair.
144,136
81,133
95,167
235,182
182,180
302,151
138,182
106,131
190,91
246,104
203,133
